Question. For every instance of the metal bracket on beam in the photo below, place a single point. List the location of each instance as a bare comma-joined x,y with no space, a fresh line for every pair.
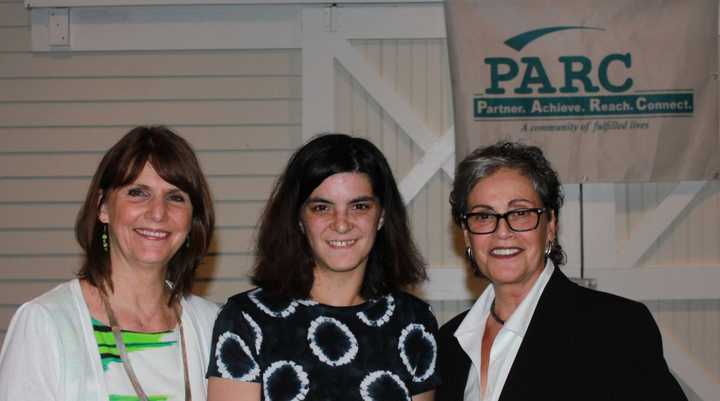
331,17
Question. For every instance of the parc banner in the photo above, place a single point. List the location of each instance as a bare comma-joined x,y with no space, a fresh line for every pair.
612,91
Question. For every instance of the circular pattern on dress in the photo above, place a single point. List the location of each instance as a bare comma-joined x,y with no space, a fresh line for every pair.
331,341
416,341
256,331
379,313
284,312
382,385
307,302
285,381
234,359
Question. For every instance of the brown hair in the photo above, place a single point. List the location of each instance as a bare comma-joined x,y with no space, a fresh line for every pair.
174,160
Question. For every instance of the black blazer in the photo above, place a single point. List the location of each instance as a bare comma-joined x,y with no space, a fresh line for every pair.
580,345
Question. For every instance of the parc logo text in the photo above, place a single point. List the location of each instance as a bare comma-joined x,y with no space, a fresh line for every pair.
520,88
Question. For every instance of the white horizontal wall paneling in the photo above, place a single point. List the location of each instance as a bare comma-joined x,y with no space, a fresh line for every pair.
165,64
151,88
97,138
15,38
13,14
188,112
174,27
60,111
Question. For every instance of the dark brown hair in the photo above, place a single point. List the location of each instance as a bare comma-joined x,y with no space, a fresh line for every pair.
175,162
284,260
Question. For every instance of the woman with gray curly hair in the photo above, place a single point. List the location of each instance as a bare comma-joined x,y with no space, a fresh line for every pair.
532,326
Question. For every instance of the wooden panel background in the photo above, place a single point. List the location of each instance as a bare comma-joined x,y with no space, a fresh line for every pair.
59,112
693,240
695,324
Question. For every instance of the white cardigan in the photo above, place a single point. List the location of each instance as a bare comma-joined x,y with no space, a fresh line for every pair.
50,351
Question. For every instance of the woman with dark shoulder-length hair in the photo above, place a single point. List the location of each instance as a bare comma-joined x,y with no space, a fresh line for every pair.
127,328
533,334
329,319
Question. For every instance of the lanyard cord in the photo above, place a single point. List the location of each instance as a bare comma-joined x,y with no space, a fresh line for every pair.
124,355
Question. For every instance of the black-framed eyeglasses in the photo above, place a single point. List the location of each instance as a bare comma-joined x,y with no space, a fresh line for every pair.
518,220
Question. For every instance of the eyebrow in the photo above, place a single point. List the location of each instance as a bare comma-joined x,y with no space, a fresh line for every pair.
355,200
364,199
520,200
511,203
481,206
174,189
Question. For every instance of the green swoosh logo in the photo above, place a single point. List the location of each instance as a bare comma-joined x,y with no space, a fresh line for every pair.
523,39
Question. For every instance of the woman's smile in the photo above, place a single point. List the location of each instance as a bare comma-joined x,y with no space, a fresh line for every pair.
152,234
505,252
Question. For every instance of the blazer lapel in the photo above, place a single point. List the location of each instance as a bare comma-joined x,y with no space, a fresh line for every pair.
547,343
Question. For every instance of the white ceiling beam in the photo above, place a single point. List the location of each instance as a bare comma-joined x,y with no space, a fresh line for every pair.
680,282
123,3
173,28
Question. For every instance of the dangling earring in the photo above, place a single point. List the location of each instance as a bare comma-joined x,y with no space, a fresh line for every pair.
187,241
549,248
104,238
473,264
302,228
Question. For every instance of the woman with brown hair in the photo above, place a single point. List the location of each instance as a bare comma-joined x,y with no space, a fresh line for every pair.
127,328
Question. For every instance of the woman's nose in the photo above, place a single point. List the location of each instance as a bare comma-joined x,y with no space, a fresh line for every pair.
157,209
503,229
341,223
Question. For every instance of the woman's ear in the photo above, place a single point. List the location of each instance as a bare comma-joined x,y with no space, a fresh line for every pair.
103,215
466,237
552,227
381,221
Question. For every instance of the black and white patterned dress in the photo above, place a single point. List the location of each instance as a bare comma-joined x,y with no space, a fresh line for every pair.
384,349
